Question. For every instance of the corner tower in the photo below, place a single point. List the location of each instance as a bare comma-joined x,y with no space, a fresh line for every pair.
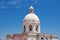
31,22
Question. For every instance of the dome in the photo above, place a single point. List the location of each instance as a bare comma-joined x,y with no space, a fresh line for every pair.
31,16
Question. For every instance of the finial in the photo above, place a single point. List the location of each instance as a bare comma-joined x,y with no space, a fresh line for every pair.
31,9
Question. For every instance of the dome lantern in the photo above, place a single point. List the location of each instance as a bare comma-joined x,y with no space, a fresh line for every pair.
31,9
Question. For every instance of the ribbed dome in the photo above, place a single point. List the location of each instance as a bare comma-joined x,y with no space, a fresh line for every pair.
31,16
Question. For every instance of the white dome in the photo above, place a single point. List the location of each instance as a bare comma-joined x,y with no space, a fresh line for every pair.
31,16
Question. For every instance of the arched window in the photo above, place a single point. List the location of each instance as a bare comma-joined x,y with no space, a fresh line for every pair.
46,38
42,38
24,28
30,27
36,27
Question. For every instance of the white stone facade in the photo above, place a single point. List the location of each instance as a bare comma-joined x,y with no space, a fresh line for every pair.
31,29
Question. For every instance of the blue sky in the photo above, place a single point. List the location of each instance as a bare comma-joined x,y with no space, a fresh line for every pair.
12,12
